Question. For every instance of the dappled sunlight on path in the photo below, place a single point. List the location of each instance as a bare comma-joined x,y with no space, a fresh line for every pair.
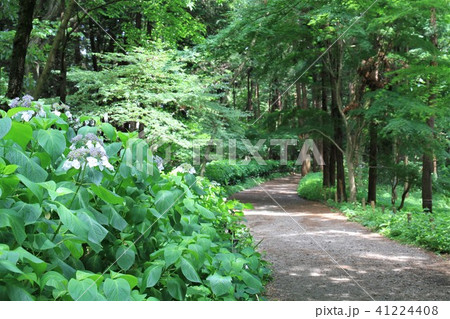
305,241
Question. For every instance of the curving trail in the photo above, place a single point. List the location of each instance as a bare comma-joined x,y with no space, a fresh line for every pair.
318,255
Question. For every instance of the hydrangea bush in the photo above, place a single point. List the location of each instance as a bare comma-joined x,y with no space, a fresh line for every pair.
84,217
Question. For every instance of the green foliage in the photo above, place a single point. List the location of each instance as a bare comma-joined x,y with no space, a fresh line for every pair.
310,187
410,225
227,173
91,232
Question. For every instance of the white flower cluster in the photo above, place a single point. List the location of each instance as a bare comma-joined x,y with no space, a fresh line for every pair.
27,101
159,162
184,168
58,109
87,150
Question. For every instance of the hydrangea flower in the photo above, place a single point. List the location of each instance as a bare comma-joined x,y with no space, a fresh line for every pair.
87,150
58,109
26,101
159,162
184,168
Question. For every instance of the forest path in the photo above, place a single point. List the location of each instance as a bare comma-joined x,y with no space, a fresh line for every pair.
316,254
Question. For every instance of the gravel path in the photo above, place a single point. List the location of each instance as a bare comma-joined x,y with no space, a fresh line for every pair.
318,255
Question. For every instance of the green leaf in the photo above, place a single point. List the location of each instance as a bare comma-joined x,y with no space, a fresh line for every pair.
17,293
96,232
20,133
27,166
82,275
132,280
251,281
206,213
117,290
10,218
125,257
177,288
110,131
106,195
220,285
152,275
85,290
189,272
52,141
5,126
166,199
172,254
10,169
72,222
33,187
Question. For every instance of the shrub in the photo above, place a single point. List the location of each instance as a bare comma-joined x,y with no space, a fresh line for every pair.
227,173
78,221
310,187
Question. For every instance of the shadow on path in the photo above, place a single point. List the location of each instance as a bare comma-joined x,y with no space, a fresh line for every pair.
369,264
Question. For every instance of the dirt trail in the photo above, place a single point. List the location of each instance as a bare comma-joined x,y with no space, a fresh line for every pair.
302,270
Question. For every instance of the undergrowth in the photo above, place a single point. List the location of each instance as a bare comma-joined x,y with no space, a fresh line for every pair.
410,225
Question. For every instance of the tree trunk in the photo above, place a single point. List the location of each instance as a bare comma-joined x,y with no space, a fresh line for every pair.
63,72
249,92
338,137
94,46
304,96
373,150
298,94
428,157
51,56
325,142
258,101
20,47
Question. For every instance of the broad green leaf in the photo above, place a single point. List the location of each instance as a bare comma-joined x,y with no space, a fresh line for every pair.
117,290
17,293
114,219
5,126
189,204
152,275
96,232
85,290
35,188
125,257
220,285
206,213
251,280
20,133
177,288
9,266
10,169
27,166
52,141
106,195
82,275
132,280
188,271
165,200
72,222
54,279
110,131
30,213
172,254
10,218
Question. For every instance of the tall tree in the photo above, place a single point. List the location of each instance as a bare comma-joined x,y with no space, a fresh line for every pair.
20,48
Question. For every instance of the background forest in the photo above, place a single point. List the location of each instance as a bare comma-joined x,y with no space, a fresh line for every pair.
367,81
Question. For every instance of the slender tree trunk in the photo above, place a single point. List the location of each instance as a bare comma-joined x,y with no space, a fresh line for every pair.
304,96
257,100
94,46
139,20
20,47
51,56
63,72
325,142
373,150
298,95
428,157
249,92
